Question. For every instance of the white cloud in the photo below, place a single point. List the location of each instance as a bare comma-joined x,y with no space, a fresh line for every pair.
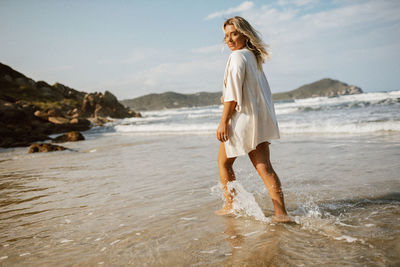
346,42
240,8
297,2
309,46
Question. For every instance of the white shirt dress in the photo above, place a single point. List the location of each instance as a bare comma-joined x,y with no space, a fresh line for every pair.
254,120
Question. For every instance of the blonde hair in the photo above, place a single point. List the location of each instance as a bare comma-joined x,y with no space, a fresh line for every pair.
253,40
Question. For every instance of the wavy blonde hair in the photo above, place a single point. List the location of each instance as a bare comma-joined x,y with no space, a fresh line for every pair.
253,40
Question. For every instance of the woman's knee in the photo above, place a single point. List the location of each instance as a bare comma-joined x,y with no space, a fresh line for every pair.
265,168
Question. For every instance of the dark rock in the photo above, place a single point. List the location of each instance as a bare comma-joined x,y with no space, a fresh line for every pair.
30,111
54,112
41,114
44,147
58,120
80,123
107,105
69,137
19,127
99,121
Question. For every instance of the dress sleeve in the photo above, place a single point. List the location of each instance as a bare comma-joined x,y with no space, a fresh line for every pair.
234,80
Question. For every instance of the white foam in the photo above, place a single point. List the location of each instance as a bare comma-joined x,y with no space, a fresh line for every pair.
179,111
208,251
207,115
25,254
338,103
188,218
333,126
347,238
285,110
245,202
328,116
168,128
326,101
115,242
251,233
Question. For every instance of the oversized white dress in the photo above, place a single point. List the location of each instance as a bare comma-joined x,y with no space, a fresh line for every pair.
254,120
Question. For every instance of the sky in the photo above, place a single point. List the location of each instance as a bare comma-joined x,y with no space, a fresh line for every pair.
134,48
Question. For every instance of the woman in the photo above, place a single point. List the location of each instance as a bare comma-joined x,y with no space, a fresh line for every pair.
248,119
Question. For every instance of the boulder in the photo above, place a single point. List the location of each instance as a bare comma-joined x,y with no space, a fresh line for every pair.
69,137
58,120
99,121
41,114
44,147
105,105
80,123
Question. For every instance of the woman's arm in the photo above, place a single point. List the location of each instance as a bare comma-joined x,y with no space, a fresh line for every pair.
222,131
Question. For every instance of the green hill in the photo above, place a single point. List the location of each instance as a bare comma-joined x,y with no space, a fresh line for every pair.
173,100
324,87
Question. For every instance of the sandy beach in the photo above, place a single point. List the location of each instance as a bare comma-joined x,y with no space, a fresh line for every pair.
143,191
149,200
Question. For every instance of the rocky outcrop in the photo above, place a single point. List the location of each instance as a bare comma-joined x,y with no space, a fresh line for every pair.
20,125
105,105
30,111
69,137
44,147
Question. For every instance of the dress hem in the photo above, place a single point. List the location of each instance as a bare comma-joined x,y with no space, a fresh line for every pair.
246,152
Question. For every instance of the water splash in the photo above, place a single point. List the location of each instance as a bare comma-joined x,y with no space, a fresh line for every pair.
244,202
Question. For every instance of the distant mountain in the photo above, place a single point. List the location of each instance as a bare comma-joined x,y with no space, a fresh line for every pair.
172,100
324,87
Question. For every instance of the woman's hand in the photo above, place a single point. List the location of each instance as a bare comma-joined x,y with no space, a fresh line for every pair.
222,131
222,99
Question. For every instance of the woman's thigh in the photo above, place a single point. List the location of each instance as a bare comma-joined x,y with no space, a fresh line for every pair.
260,155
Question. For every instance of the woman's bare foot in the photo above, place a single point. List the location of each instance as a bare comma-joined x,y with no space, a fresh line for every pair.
224,211
282,218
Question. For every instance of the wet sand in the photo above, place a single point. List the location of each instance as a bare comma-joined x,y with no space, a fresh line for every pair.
149,200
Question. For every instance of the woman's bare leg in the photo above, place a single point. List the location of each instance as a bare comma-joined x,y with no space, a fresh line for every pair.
261,161
226,175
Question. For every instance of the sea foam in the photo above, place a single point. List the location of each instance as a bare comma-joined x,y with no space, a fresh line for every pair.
349,114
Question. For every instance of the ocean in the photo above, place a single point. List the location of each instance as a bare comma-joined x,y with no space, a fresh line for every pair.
143,191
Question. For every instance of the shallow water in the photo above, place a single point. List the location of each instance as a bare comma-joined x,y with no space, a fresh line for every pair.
148,200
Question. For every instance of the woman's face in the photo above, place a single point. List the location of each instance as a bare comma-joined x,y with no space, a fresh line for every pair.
233,38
